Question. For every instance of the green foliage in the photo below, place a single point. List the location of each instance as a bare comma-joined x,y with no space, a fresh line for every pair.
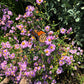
70,14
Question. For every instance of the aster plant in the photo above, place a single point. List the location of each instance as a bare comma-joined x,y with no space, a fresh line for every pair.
24,57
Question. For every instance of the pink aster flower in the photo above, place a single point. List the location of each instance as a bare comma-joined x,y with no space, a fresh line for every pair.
30,8
23,66
17,46
19,26
59,70
30,44
50,32
47,28
39,82
51,47
24,44
61,62
54,81
23,31
39,1
49,40
47,51
12,56
63,31
10,13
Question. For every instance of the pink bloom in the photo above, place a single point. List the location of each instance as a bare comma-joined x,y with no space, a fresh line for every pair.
47,51
61,62
30,8
12,56
39,1
23,31
47,28
59,70
50,32
30,44
10,13
16,46
19,26
49,40
62,31
24,44
51,47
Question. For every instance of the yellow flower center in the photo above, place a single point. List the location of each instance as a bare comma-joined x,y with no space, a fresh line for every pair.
49,39
39,0
4,50
47,51
22,31
47,28
61,62
51,47
63,30
23,43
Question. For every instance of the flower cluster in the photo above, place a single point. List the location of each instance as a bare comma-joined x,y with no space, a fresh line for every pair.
5,19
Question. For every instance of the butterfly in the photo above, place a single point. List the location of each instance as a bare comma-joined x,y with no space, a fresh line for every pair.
39,34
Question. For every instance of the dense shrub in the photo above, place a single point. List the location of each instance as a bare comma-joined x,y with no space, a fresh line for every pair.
23,54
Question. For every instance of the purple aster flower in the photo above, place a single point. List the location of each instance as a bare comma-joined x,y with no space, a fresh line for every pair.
10,13
19,26
71,51
61,62
47,51
15,68
35,69
54,81
45,82
30,8
12,56
47,28
32,73
39,68
12,73
59,70
5,51
35,64
39,1
50,32
63,31
68,62
78,53
71,57
51,66
7,73
49,40
23,66
51,47
23,31
16,46
35,58
27,14
50,72
11,31
67,58
24,44
30,44
8,45
39,82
